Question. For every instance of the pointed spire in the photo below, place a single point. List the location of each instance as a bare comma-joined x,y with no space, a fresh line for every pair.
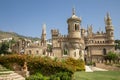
44,29
73,11
108,15
108,20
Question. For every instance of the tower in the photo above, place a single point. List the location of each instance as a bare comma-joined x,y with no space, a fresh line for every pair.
74,26
83,33
109,29
76,42
43,37
55,34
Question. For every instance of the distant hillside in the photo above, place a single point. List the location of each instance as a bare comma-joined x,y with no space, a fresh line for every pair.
16,36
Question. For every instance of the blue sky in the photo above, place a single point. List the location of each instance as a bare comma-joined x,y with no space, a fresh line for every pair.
26,17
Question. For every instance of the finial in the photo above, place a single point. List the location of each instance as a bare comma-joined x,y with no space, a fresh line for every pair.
108,15
73,11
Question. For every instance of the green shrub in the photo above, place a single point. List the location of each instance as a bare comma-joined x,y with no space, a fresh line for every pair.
37,76
61,76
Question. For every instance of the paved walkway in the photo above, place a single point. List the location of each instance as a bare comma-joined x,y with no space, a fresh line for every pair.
98,69
91,69
88,69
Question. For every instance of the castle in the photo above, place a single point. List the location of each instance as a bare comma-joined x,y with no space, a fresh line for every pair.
79,43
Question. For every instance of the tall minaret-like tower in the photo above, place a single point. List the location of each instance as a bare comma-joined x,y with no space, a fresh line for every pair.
74,26
109,29
75,41
43,37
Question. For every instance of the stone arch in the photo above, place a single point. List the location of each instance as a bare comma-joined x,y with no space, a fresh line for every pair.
30,52
65,50
37,52
76,27
104,51
103,41
74,54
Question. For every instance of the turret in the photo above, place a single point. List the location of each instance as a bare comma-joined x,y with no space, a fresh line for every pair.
54,33
89,31
109,29
74,26
82,33
43,37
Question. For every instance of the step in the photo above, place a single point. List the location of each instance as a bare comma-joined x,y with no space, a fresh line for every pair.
12,76
88,69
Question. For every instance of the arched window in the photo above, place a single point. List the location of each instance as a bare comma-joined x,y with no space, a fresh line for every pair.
111,33
37,52
104,51
98,41
44,52
76,27
103,41
65,52
74,54
30,52
80,53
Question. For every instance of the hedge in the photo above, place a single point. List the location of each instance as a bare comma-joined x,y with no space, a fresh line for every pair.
44,65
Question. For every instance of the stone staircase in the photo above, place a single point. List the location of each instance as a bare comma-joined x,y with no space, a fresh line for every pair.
6,74
88,69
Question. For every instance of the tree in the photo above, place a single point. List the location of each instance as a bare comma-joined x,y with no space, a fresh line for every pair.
111,56
117,44
49,48
4,48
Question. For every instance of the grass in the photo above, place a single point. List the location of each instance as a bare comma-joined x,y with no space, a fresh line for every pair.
99,75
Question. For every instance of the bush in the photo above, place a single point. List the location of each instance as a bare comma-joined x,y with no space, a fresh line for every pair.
37,76
61,76
62,70
78,65
44,65
111,56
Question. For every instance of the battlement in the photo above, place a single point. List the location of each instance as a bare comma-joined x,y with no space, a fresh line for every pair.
63,36
55,31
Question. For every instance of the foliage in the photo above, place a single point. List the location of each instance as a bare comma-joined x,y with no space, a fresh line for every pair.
39,66
44,65
78,65
117,42
111,56
61,76
4,48
49,48
16,36
37,76
47,66
8,60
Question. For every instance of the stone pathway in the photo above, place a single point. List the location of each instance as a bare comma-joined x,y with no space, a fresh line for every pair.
88,69
98,69
9,75
91,69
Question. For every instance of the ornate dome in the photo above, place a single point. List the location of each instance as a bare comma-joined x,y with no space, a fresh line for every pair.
74,17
